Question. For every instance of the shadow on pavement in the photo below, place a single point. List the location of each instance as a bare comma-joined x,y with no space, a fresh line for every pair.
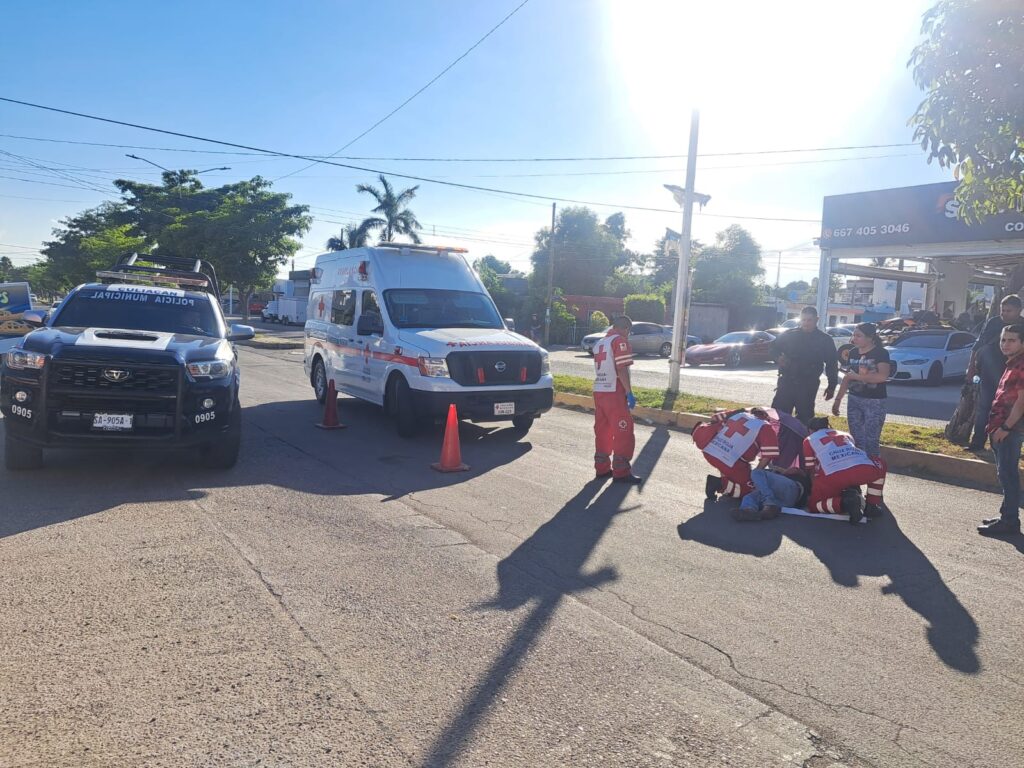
879,549
546,568
74,484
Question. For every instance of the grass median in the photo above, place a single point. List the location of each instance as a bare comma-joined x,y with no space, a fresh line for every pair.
910,436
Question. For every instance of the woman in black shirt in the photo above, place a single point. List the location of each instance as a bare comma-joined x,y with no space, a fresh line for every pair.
865,384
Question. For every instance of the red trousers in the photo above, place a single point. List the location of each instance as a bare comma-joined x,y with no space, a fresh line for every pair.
826,490
613,434
735,479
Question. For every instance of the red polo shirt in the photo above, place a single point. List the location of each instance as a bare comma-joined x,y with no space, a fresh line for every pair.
1010,386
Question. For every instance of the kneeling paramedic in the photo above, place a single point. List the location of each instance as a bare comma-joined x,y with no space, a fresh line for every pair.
613,401
838,468
729,442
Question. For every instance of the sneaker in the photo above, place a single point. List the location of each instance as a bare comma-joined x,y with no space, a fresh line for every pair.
712,486
873,510
628,479
1000,528
852,504
602,475
990,520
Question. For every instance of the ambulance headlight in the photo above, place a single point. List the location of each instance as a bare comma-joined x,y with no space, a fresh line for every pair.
21,360
433,366
209,369
545,364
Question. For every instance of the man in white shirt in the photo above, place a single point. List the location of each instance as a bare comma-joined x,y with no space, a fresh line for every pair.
613,400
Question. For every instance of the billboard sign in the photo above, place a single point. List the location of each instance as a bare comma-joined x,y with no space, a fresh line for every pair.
14,300
909,216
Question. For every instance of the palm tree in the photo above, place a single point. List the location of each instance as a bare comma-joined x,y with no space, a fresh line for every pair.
349,237
395,218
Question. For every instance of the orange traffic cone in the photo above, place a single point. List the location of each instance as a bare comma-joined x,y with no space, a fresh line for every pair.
451,454
331,409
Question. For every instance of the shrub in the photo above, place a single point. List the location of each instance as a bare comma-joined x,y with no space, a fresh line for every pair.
645,307
599,320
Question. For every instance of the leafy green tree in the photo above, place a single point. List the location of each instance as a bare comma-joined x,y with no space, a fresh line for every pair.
586,252
624,282
729,271
243,229
395,217
6,265
800,287
645,307
351,236
90,241
494,264
970,67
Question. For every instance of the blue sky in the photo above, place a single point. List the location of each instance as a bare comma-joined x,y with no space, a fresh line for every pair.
561,78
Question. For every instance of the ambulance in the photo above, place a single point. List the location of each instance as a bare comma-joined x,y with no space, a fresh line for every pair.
412,328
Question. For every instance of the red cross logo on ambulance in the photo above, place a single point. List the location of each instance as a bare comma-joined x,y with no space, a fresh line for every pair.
320,307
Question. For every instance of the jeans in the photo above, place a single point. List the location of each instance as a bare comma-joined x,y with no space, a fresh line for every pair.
866,416
1008,470
771,488
986,394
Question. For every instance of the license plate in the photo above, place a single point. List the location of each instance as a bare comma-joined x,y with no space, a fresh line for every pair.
504,409
113,422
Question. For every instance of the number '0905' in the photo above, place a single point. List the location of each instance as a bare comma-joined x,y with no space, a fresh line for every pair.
203,417
20,410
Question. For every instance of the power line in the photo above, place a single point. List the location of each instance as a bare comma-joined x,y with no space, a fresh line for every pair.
604,158
436,77
411,177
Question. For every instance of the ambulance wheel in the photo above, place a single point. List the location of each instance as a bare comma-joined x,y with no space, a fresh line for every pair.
934,375
319,381
223,454
521,424
21,455
401,407
666,349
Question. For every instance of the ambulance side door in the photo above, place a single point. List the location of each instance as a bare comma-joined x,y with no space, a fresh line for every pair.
371,368
342,338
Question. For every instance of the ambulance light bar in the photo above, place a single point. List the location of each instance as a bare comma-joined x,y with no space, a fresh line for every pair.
421,247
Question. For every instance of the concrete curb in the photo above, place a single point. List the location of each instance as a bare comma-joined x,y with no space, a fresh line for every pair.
936,465
272,344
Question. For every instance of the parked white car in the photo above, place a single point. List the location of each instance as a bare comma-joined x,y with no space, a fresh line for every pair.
931,355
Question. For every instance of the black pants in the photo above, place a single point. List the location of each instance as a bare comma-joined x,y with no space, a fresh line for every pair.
796,394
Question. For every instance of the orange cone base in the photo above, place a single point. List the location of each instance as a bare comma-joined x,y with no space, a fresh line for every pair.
459,468
330,426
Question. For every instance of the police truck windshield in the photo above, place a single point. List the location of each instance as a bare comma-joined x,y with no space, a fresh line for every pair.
436,308
139,308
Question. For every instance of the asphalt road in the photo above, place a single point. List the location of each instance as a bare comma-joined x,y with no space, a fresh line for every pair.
333,601
911,403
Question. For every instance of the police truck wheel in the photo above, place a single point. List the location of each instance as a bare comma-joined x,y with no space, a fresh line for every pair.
521,424
319,381
21,455
223,454
934,375
401,407
666,349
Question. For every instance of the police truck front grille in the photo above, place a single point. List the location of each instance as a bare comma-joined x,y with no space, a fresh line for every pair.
73,414
475,369
115,378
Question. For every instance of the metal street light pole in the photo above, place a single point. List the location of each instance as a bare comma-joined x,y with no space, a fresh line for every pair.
682,297
168,170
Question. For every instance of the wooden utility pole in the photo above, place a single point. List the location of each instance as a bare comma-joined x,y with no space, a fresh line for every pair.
551,279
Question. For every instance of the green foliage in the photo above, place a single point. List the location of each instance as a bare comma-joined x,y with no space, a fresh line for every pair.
728,272
599,319
624,282
586,251
800,287
92,240
395,218
646,307
970,67
243,229
507,302
562,322
494,264
351,236
6,265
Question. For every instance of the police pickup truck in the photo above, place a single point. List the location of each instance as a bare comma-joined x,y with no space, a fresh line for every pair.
143,358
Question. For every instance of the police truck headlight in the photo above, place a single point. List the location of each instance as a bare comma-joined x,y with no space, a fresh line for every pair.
545,364
209,369
21,360
436,367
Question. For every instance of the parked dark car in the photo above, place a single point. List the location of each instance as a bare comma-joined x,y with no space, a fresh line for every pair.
645,338
733,349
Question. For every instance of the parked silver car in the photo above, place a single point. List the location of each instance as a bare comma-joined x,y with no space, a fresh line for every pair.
645,338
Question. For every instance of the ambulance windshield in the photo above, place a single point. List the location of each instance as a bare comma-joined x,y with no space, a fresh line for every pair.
436,308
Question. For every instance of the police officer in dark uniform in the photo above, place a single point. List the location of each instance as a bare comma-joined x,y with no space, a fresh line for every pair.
802,353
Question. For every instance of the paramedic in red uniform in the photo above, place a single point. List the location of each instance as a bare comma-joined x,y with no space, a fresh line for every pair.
838,468
729,442
613,400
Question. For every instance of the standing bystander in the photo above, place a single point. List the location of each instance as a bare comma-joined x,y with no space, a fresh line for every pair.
613,401
802,353
987,364
1006,426
865,383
